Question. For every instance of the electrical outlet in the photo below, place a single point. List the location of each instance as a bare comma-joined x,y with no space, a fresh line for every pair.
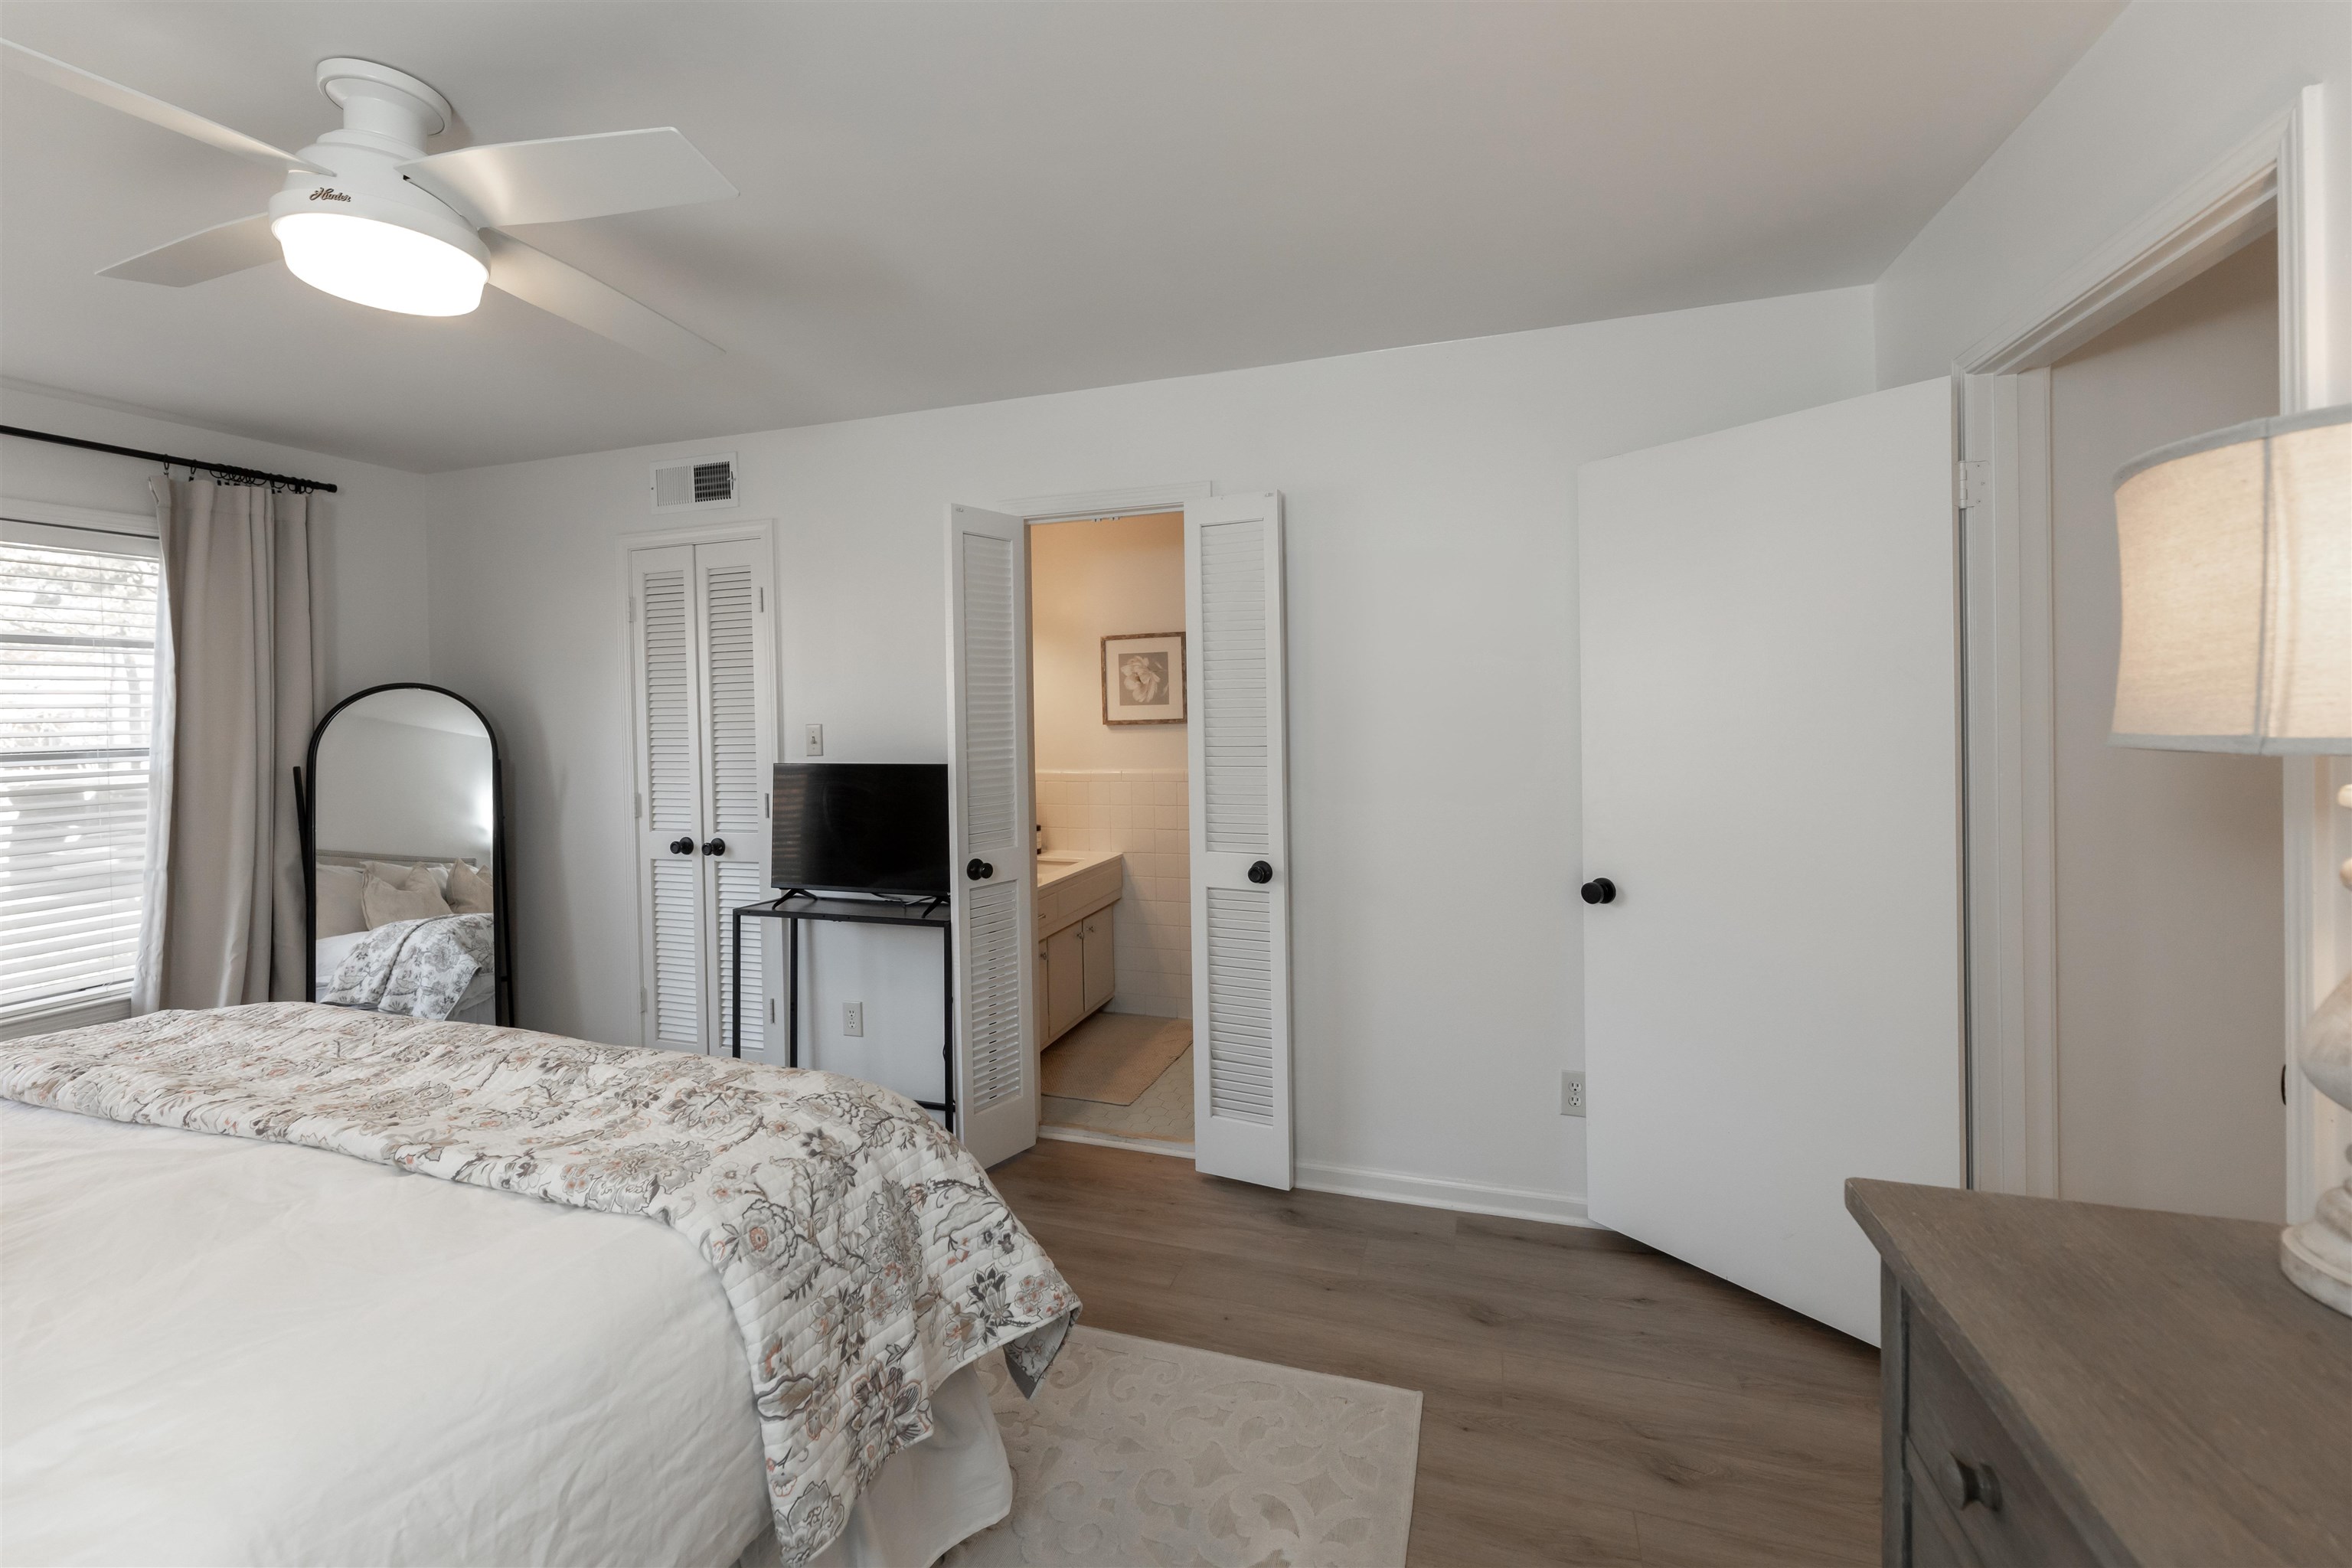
813,742
1572,1094
853,1019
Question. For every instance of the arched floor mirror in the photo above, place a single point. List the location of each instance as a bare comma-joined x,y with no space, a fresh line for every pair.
404,850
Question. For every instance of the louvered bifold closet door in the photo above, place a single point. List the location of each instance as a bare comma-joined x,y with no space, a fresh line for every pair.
670,751
740,723
1241,862
989,806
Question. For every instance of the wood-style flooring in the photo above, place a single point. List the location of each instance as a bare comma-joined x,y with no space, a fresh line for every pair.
1585,1398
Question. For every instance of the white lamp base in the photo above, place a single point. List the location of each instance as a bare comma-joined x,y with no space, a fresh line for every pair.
2317,1254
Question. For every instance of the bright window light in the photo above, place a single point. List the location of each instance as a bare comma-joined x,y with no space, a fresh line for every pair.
380,264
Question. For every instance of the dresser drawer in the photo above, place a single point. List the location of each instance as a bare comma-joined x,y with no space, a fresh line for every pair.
1936,1539
1968,1477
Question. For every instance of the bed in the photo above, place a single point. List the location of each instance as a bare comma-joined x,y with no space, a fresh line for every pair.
228,1342
477,1004
458,933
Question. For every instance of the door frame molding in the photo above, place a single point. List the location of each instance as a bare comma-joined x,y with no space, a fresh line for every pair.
2273,179
1097,506
762,528
1093,506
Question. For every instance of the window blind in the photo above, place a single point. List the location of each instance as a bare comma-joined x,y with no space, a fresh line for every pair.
77,685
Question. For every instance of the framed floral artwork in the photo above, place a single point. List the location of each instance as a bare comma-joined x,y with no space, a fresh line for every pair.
1144,678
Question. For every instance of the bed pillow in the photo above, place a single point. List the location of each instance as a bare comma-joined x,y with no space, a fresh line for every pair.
339,900
468,892
414,897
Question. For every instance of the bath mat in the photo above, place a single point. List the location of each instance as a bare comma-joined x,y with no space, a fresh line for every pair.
1112,1057
1163,1113
1136,1453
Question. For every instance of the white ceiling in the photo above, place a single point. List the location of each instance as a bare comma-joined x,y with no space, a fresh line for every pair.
948,204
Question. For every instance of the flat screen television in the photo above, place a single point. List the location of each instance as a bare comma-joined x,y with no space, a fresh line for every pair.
861,827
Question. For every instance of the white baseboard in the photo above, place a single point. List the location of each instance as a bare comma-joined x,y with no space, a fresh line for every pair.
1388,1186
1432,1192
1113,1141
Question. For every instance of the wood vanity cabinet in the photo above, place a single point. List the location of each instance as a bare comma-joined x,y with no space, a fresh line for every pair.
1066,980
1075,973
2067,1382
1101,968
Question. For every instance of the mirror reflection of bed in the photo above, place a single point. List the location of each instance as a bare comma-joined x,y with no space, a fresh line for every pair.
407,911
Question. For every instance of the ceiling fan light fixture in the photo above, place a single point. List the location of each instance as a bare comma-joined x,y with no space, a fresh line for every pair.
389,265
395,228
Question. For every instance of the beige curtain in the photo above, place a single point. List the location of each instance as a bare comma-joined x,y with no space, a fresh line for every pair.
235,678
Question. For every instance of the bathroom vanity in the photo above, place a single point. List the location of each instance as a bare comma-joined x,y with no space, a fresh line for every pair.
1077,973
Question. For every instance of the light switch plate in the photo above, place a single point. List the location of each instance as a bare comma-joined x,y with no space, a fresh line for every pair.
853,1019
1572,1094
815,741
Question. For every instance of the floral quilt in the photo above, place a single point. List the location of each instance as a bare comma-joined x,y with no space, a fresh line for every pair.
417,967
865,1255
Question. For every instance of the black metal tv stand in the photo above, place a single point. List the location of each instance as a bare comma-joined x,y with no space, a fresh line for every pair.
797,904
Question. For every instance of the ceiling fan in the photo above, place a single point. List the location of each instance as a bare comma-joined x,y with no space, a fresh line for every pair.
367,216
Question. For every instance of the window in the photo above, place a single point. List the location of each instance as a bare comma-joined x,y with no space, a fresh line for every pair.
77,685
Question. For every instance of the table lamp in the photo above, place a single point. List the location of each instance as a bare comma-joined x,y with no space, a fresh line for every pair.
2237,636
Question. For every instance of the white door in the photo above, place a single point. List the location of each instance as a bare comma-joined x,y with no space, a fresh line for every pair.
1237,744
1771,763
704,737
989,811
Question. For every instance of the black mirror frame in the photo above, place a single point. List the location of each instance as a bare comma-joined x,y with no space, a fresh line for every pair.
501,926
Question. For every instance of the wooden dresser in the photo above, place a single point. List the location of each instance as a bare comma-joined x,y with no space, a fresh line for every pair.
2068,1383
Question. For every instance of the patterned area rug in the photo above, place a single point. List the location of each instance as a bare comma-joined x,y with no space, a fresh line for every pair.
1136,1454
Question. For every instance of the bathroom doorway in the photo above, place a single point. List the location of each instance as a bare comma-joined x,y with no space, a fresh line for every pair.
1109,714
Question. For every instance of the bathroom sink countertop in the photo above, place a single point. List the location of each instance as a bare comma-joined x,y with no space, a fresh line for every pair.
1073,883
1055,865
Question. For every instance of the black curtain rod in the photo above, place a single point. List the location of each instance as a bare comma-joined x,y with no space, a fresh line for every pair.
229,470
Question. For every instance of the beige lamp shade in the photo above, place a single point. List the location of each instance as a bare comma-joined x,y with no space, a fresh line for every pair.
2237,579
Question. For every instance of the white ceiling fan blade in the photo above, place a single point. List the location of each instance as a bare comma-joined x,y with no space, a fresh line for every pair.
213,252
154,111
567,177
561,290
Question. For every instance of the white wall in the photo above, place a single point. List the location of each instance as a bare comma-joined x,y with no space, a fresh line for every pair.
368,576
2168,89
402,791
1107,578
2165,93
1433,677
2170,939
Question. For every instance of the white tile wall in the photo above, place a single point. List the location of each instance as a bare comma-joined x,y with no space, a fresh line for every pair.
1142,814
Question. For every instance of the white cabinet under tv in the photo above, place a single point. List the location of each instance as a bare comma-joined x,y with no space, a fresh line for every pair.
1077,967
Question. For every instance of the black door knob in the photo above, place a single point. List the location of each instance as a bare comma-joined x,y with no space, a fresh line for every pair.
715,847
1260,872
681,845
1600,891
978,869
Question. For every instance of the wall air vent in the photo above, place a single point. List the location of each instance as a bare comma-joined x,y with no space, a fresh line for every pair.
695,484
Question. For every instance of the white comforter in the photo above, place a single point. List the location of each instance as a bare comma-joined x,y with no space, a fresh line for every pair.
866,1256
221,1350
